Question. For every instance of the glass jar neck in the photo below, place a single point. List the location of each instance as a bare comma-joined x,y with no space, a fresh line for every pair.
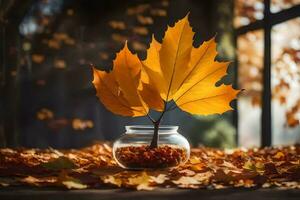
149,129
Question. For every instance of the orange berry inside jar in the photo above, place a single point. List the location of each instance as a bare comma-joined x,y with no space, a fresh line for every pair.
132,150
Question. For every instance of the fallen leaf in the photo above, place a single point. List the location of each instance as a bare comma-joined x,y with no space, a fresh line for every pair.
59,163
249,165
254,168
112,180
39,181
70,182
8,181
74,184
278,155
141,181
186,182
160,179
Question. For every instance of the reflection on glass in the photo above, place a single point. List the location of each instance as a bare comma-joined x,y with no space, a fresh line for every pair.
247,11
250,58
286,82
278,5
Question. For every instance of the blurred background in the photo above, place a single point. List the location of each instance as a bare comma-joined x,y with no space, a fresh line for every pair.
47,98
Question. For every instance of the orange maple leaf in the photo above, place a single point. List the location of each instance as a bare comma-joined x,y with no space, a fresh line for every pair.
173,71
121,90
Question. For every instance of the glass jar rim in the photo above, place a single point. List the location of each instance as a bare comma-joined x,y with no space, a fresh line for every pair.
148,129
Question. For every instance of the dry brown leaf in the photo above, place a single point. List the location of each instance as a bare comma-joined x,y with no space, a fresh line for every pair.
141,181
255,167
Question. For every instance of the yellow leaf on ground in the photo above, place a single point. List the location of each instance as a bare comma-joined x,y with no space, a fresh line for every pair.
141,182
112,180
160,179
74,184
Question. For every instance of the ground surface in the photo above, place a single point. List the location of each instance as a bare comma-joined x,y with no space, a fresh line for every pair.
174,194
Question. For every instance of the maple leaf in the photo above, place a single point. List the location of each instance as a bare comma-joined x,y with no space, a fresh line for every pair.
240,168
173,70
121,89
187,75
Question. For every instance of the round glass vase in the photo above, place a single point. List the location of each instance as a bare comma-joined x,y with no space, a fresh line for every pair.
132,150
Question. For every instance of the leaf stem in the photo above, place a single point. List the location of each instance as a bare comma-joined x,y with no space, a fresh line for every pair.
154,142
150,118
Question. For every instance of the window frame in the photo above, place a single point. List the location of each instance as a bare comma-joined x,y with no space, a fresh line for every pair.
269,20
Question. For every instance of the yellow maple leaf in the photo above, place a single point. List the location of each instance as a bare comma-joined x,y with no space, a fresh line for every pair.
172,71
165,61
187,75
